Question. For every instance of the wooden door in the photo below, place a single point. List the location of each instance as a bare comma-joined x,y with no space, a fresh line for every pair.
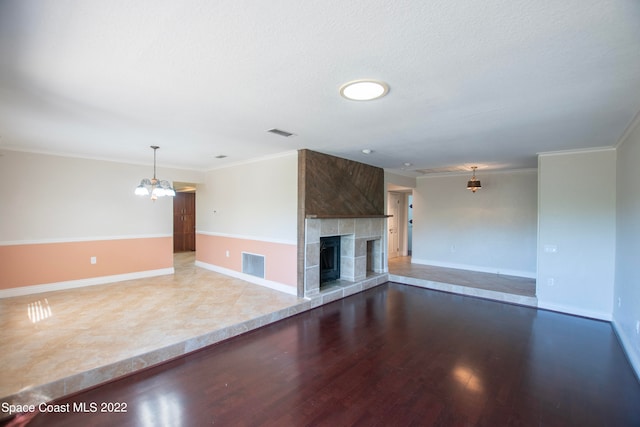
184,222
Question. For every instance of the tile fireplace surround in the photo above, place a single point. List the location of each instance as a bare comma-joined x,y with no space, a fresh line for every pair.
361,250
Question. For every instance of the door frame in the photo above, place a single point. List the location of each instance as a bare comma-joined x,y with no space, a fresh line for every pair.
182,187
403,221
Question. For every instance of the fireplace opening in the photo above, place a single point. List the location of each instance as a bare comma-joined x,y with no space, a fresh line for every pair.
329,259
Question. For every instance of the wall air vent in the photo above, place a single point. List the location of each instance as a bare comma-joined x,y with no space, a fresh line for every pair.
281,132
253,264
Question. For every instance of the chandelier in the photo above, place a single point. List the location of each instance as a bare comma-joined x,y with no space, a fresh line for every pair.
154,186
474,184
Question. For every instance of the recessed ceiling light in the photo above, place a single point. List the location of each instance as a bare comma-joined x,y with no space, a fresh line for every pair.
367,151
364,90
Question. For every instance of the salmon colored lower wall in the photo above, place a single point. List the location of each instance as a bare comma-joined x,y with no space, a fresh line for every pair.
42,263
280,262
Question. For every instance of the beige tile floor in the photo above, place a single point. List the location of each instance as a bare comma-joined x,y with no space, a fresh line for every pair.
56,338
56,343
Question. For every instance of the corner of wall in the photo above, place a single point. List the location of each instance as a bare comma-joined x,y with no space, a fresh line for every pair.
627,345
626,293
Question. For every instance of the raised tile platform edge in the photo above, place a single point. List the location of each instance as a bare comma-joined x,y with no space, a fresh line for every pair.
467,291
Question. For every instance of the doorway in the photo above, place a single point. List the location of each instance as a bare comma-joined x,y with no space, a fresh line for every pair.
184,218
400,222
394,210
409,224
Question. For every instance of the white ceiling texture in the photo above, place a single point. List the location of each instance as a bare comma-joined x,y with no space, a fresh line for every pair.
471,82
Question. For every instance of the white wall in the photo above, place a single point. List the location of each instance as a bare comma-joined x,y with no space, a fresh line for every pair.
253,200
626,315
577,219
393,181
493,230
46,197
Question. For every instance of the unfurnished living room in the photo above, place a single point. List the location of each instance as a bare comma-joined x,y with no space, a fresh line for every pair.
297,213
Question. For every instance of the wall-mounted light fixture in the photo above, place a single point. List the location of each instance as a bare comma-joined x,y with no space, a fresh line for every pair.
474,184
157,188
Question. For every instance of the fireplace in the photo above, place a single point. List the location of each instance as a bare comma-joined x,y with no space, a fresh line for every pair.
329,259
356,252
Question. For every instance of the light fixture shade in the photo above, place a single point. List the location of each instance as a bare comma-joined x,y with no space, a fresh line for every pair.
474,185
364,90
141,190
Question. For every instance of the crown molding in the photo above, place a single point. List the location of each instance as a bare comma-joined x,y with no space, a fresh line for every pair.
575,151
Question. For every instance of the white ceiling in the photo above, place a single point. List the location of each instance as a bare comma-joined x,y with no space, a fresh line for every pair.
471,82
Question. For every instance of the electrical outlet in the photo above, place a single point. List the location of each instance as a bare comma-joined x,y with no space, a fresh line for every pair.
453,248
94,260
637,326
227,254
619,302
551,281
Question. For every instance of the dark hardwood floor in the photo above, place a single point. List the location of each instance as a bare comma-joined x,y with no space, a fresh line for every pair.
392,356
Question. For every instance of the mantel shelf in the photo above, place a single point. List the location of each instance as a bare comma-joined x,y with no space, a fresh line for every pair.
346,216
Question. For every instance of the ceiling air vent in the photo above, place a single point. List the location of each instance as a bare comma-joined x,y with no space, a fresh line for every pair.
447,169
280,132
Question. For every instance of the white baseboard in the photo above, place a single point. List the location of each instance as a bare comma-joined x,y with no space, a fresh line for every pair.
627,346
480,269
80,283
249,278
576,311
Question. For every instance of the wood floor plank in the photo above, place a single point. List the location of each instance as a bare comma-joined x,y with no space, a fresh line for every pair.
393,355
